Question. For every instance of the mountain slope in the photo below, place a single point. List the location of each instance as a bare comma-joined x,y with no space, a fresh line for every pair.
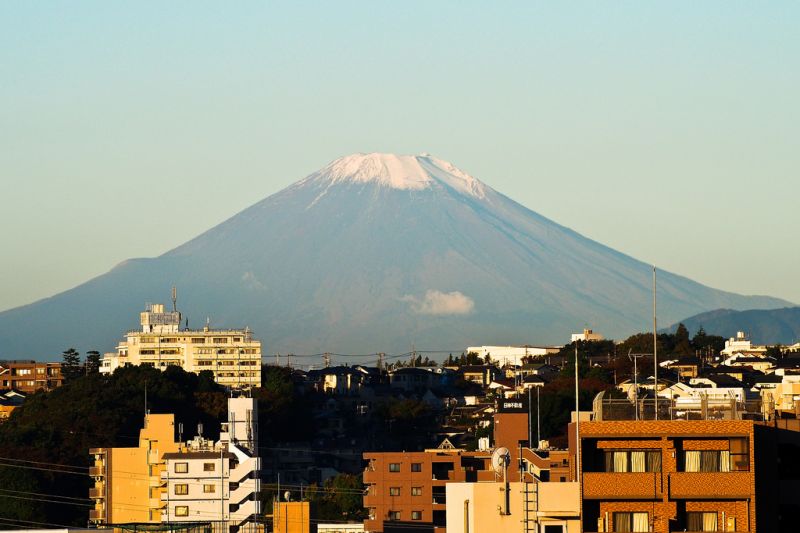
373,253
763,326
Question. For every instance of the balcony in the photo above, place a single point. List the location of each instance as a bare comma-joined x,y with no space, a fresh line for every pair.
710,485
95,471
626,485
95,514
97,493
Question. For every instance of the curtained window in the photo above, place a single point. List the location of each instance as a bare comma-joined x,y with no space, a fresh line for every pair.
654,461
638,462
701,521
620,461
631,522
692,461
632,461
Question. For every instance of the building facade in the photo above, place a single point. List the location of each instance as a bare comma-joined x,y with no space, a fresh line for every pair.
30,376
233,356
162,481
127,481
669,475
511,355
216,482
409,487
532,507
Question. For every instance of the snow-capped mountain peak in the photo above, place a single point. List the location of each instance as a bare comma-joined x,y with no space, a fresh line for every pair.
404,172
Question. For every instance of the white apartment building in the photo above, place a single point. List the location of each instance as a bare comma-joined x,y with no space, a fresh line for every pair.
232,355
587,335
742,345
511,355
217,482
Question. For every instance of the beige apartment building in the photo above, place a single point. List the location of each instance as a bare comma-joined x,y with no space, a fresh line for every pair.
233,355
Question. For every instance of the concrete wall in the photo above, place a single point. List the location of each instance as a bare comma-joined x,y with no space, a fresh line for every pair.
476,507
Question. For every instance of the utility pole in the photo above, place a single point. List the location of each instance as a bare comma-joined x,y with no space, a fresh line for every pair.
577,423
655,343
381,357
326,358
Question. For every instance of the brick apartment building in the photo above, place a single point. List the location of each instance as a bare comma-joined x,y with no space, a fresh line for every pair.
30,376
688,475
406,490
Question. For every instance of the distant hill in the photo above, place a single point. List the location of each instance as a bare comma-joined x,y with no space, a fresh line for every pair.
763,326
375,253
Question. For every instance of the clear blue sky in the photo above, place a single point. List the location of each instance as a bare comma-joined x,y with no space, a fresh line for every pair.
669,131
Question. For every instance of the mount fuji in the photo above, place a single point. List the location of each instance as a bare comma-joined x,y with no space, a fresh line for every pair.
375,252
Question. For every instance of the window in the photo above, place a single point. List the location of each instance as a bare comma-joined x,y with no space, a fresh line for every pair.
416,467
394,491
209,489
394,515
181,468
394,467
220,340
707,461
182,489
208,467
416,515
198,340
182,510
636,522
696,521
633,461
416,491
740,454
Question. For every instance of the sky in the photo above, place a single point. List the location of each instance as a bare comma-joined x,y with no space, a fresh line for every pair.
669,131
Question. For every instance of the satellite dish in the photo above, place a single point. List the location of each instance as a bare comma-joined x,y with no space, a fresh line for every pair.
500,460
287,496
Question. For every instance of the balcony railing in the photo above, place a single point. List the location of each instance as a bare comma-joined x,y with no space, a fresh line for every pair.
691,485
694,408
628,485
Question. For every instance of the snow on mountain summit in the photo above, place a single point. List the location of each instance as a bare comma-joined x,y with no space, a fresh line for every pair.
404,172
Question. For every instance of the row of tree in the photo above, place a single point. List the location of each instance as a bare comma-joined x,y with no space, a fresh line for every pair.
71,366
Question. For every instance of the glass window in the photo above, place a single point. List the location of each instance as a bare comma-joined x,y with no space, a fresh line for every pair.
707,461
740,454
633,461
209,489
634,522
209,467
416,491
182,489
394,467
701,521
182,510
181,468
416,515
394,491
394,515
416,467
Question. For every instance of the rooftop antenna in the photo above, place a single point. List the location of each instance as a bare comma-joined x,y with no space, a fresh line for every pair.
174,299
500,460
180,431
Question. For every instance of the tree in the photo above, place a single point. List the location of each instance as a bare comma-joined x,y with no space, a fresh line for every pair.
681,339
92,362
775,351
71,366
